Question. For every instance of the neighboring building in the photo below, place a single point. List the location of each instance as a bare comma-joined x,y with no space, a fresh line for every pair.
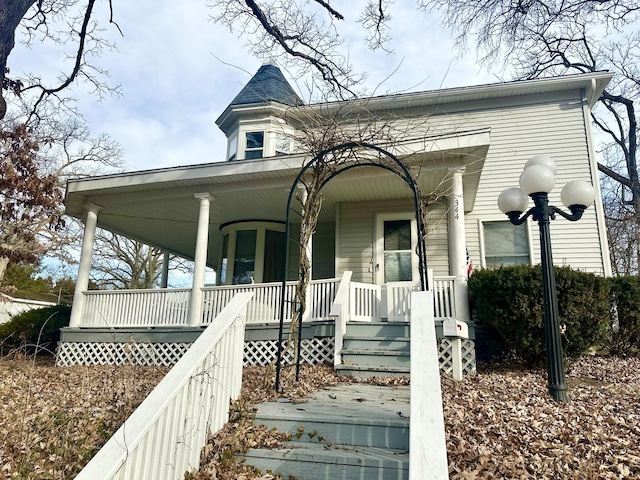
466,145
11,306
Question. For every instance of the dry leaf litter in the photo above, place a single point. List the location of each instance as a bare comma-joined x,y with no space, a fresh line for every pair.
500,423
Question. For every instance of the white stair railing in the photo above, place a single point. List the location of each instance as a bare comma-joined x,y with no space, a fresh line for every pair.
340,311
365,300
163,438
427,440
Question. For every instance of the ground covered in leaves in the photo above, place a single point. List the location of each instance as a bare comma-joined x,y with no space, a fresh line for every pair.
500,423
54,419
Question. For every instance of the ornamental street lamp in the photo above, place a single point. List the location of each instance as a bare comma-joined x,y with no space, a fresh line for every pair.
536,181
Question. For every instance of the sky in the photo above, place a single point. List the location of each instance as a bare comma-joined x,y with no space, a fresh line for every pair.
178,71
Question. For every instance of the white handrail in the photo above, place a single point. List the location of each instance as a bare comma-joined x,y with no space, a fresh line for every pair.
163,438
340,311
427,440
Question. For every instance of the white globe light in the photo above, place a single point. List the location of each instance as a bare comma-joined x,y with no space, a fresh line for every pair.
537,179
512,200
577,192
544,160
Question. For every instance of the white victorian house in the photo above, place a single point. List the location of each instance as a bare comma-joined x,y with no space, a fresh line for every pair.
463,146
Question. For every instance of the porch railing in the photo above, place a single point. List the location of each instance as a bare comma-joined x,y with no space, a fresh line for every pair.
164,437
265,305
136,308
170,307
444,297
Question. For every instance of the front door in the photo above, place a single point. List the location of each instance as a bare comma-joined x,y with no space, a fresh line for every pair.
395,253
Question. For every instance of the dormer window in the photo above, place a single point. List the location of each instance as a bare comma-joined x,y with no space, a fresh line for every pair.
283,144
254,145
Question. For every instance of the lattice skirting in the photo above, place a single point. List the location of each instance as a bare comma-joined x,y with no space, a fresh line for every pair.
113,353
468,356
259,352
312,350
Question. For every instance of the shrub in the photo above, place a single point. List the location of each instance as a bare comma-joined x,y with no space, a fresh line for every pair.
35,330
623,334
509,301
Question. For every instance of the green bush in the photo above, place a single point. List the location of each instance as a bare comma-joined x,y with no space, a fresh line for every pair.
35,331
623,335
509,301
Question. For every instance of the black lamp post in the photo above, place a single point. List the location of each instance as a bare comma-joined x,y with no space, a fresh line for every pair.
536,181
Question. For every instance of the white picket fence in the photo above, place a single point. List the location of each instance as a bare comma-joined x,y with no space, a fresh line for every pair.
163,438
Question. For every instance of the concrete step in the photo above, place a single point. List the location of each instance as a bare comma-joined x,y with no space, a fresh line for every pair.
367,371
378,329
319,461
376,358
351,431
388,428
357,342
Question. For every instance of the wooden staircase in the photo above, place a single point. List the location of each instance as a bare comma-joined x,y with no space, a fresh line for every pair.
376,350
352,431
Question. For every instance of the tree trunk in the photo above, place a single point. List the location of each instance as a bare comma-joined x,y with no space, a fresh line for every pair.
11,12
4,262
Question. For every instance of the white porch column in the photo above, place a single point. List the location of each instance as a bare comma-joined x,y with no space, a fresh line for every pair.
200,260
82,282
164,279
458,246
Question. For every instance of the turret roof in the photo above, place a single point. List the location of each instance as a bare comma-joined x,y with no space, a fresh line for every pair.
267,85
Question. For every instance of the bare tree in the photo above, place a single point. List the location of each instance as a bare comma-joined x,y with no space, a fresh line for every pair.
57,147
346,136
304,35
539,38
120,262
38,21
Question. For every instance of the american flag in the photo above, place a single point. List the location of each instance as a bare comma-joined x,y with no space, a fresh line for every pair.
469,264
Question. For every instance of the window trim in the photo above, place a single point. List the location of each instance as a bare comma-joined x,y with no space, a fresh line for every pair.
378,244
481,235
260,149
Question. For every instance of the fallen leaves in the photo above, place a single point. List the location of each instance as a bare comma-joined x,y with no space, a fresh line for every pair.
500,423
52,420
503,424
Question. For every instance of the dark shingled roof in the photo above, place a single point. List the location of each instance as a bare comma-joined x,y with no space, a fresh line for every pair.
267,85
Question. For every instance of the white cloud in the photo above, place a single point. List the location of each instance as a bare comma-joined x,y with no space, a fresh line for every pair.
174,87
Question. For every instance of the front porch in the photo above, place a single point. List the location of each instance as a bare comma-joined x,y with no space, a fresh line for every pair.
152,327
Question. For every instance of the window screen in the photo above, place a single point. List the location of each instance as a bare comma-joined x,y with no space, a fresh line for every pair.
505,244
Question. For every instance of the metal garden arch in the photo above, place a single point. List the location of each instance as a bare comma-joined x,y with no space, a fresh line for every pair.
402,172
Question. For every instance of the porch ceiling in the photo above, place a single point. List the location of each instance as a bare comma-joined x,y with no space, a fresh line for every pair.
158,206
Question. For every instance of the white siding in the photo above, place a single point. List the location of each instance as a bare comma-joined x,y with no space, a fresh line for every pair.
553,125
357,236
